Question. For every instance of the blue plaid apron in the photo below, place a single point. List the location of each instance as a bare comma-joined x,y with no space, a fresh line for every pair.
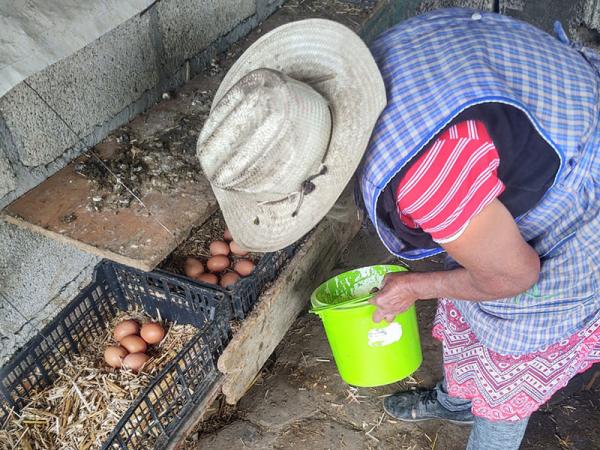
436,66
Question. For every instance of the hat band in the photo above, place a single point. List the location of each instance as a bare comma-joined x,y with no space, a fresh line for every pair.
306,188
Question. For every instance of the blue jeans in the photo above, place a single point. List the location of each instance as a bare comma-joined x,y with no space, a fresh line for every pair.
485,435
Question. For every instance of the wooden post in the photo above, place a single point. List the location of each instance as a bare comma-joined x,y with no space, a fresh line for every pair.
279,306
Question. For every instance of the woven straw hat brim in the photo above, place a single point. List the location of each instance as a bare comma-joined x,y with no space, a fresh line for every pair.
334,61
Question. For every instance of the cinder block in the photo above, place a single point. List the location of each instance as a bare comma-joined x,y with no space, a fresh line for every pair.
38,134
266,7
100,80
7,175
38,277
430,5
542,13
591,14
188,26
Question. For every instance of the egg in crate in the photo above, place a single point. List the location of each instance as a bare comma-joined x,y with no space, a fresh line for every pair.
152,332
135,361
219,248
209,278
218,263
193,267
114,355
229,278
237,250
134,344
125,328
244,267
227,235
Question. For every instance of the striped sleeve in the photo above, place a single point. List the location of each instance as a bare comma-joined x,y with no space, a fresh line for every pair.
451,182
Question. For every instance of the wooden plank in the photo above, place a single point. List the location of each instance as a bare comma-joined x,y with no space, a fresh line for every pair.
278,307
135,236
276,310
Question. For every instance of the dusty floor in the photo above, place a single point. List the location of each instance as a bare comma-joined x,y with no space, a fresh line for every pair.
300,402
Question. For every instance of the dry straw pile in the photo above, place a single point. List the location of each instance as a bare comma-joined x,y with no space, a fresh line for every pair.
83,406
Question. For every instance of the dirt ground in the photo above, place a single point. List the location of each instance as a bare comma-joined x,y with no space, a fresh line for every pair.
300,402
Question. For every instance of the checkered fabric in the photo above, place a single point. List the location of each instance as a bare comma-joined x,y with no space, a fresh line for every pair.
437,65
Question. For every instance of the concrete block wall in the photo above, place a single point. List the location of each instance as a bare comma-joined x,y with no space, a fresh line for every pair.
580,18
55,114
482,5
38,277
51,117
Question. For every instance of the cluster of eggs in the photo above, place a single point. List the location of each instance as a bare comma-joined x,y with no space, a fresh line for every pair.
219,265
133,343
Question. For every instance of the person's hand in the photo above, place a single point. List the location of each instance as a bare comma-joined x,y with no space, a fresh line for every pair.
393,298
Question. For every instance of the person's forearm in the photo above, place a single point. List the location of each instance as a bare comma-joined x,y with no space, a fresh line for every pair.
461,284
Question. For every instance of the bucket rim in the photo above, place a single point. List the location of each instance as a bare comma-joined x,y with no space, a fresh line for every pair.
315,303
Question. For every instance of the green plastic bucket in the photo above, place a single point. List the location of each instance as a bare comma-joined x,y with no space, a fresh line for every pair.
366,353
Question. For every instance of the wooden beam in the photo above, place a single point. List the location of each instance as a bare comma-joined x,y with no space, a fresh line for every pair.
279,306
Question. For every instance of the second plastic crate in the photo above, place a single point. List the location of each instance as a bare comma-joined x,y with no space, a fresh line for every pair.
239,298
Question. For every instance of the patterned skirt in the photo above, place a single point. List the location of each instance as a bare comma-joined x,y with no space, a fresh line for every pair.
507,387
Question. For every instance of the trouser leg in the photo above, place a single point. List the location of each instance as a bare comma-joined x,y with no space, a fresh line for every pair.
500,435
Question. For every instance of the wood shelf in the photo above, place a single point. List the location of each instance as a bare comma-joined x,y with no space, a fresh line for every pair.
135,236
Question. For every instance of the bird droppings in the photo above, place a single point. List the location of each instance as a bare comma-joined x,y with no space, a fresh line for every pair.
150,155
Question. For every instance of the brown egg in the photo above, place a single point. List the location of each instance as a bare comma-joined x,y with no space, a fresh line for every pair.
229,278
219,248
134,344
227,235
113,355
244,267
192,267
135,361
218,263
209,278
152,333
237,250
125,328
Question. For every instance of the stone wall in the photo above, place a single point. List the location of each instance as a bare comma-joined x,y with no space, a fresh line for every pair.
580,18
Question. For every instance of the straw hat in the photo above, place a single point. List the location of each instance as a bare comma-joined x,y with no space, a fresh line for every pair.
288,127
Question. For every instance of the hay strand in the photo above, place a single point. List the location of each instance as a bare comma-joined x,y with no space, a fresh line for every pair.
88,398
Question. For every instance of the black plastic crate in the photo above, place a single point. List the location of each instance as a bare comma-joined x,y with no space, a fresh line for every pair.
239,298
189,302
163,405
